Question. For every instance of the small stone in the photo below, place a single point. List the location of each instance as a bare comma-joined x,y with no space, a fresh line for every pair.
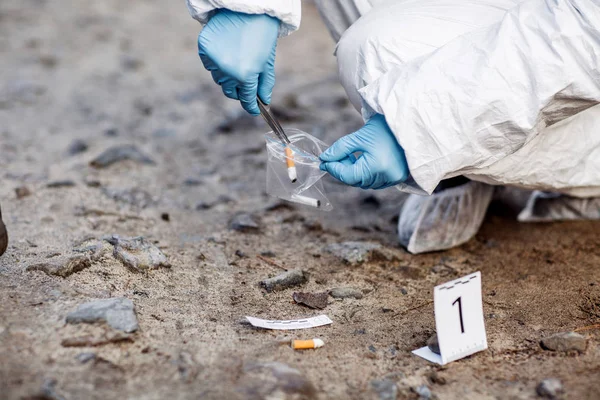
91,341
288,279
550,388
423,391
62,266
385,389
116,312
138,254
60,184
346,293
353,253
442,270
77,146
433,344
244,223
134,196
371,201
120,153
22,191
312,300
165,217
272,380
268,253
85,357
565,341
240,254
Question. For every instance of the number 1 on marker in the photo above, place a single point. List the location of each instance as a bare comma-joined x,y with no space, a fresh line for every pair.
462,325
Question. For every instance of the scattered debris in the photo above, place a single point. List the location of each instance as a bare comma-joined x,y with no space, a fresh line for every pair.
117,312
433,344
271,262
565,341
244,223
60,184
77,146
345,293
62,266
22,191
550,388
312,300
385,389
134,196
307,344
138,254
355,253
288,279
120,153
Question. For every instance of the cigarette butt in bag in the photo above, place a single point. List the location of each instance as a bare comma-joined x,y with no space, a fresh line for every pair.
307,344
291,166
309,201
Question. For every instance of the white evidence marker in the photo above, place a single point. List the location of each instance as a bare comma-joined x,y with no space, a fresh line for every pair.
458,320
290,324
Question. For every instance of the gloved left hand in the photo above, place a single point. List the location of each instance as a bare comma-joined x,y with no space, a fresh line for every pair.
239,51
382,163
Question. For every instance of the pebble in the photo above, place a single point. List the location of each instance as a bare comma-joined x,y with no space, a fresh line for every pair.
423,391
442,270
312,300
385,389
85,357
22,191
353,253
60,184
117,312
138,254
135,196
550,388
433,344
345,293
273,380
565,341
288,279
120,153
244,223
62,266
77,146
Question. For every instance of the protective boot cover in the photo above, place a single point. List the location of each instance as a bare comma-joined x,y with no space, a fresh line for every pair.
445,219
546,207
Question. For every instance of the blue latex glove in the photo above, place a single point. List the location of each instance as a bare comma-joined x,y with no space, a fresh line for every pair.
239,51
382,163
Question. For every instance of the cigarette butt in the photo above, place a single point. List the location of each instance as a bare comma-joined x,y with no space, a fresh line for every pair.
309,201
307,344
291,166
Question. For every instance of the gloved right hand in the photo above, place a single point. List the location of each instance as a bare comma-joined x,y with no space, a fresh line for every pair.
239,51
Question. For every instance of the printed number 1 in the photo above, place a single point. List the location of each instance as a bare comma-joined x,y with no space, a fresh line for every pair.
462,326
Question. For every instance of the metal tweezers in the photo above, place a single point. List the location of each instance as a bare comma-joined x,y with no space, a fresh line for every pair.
266,113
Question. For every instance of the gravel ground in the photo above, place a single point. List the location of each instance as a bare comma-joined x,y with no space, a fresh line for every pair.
123,77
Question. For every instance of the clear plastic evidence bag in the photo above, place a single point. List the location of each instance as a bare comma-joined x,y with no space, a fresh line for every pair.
293,172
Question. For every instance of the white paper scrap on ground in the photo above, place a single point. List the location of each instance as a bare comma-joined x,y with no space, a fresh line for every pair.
458,320
303,323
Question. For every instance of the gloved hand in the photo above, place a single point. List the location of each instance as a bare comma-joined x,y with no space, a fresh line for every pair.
239,51
382,163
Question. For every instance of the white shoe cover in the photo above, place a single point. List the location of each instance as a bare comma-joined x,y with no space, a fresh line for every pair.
445,219
545,207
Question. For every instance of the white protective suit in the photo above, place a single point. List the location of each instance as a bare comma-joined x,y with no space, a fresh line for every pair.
500,91
470,89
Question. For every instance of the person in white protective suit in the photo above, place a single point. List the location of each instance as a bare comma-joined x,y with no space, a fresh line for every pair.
457,96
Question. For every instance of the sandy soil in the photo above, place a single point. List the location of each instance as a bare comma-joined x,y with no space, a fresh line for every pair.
115,73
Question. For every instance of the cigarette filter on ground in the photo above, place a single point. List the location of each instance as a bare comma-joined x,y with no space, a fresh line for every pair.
291,166
309,201
307,344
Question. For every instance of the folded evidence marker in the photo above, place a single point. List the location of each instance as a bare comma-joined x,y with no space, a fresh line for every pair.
458,320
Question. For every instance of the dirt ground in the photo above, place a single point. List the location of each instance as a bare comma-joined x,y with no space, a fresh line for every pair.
112,73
